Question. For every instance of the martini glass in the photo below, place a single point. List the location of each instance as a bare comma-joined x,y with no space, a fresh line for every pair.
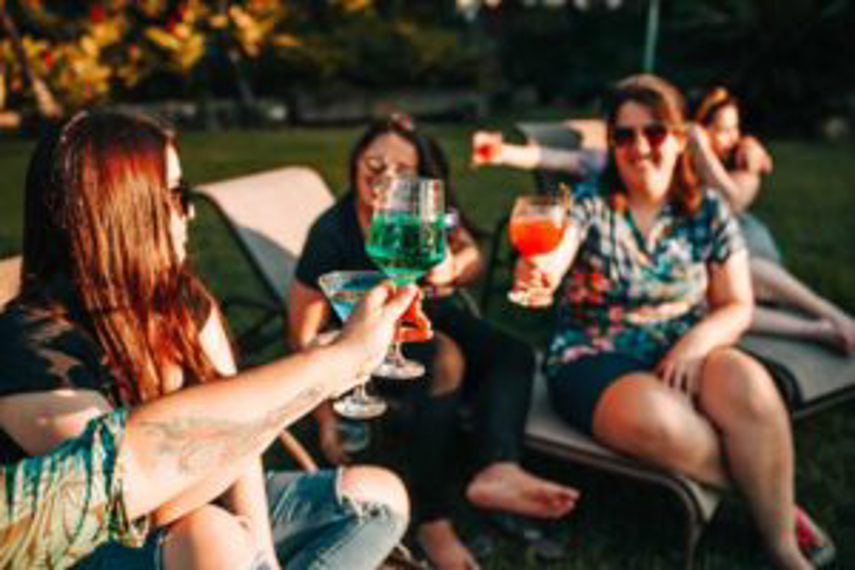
407,238
344,290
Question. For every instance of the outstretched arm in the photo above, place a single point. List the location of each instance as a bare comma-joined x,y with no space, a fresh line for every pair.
247,497
308,314
210,433
490,148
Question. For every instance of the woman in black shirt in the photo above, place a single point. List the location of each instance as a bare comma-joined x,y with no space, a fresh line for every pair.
467,356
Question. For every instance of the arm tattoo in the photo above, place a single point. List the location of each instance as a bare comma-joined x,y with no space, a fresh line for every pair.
197,444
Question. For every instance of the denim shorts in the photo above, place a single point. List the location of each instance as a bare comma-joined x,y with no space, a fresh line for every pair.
313,526
575,387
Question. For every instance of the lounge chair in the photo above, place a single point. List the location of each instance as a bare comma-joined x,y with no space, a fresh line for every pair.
809,377
269,215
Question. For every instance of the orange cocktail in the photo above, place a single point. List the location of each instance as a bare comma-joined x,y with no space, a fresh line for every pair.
536,227
535,235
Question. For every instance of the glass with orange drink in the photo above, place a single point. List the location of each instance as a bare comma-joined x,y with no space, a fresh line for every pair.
536,227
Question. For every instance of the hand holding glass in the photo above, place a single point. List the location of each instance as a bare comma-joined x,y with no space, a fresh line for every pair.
536,227
407,238
486,147
344,290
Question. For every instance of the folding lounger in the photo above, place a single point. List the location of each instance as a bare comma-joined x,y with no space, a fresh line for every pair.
810,377
269,215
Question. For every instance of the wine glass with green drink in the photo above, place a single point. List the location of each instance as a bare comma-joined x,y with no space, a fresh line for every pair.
344,290
407,238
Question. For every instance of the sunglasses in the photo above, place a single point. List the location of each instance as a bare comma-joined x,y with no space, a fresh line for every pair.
655,134
181,195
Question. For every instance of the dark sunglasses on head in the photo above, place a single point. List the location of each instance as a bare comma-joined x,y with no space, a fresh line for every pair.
181,194
655,134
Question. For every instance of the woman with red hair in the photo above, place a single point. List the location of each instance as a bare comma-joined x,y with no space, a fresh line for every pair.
110,315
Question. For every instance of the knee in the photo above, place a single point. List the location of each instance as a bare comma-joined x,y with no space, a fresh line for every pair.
643,420
209,537
657,437
448,368
365,484
736,387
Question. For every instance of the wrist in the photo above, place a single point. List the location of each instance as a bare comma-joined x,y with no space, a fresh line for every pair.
339,360
454,270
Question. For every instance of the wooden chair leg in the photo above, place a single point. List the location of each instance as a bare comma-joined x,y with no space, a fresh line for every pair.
297,451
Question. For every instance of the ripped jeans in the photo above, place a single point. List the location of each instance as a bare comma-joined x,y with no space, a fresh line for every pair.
314,527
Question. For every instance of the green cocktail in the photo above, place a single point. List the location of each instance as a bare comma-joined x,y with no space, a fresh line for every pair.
405,246
407,238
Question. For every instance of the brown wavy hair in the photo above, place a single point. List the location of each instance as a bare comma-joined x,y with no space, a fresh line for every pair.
432,160
98,251
712,102
668,106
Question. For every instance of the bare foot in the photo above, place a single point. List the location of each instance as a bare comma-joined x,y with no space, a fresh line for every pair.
839,334
845,329
508,487
788,557
444,548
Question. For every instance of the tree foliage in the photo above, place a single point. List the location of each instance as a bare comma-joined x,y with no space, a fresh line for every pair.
89,51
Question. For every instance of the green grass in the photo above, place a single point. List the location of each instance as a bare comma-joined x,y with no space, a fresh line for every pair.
808,203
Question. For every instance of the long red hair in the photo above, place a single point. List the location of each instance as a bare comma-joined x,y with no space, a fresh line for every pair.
668,106
97,248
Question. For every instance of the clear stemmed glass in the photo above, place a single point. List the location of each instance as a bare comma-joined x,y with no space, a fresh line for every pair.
536,227
406,239
344,289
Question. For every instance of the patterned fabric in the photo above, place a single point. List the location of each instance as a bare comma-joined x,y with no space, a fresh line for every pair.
59,507
629,294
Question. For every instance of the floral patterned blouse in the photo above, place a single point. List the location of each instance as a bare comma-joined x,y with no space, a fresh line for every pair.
628,294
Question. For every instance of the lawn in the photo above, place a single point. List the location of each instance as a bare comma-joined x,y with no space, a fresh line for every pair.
808,203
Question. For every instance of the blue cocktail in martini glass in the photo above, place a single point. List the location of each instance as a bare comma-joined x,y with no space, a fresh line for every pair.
344,290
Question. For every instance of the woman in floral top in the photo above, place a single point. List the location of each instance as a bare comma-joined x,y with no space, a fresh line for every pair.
658,293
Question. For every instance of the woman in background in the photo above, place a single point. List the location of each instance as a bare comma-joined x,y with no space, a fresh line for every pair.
734,164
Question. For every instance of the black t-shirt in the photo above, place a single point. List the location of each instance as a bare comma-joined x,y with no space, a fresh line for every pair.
43,350
335,243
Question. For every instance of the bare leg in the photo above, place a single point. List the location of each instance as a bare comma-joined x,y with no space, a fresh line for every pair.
444,548
785,323
506,486
773,283
365,484
740,398
640,416
208,538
